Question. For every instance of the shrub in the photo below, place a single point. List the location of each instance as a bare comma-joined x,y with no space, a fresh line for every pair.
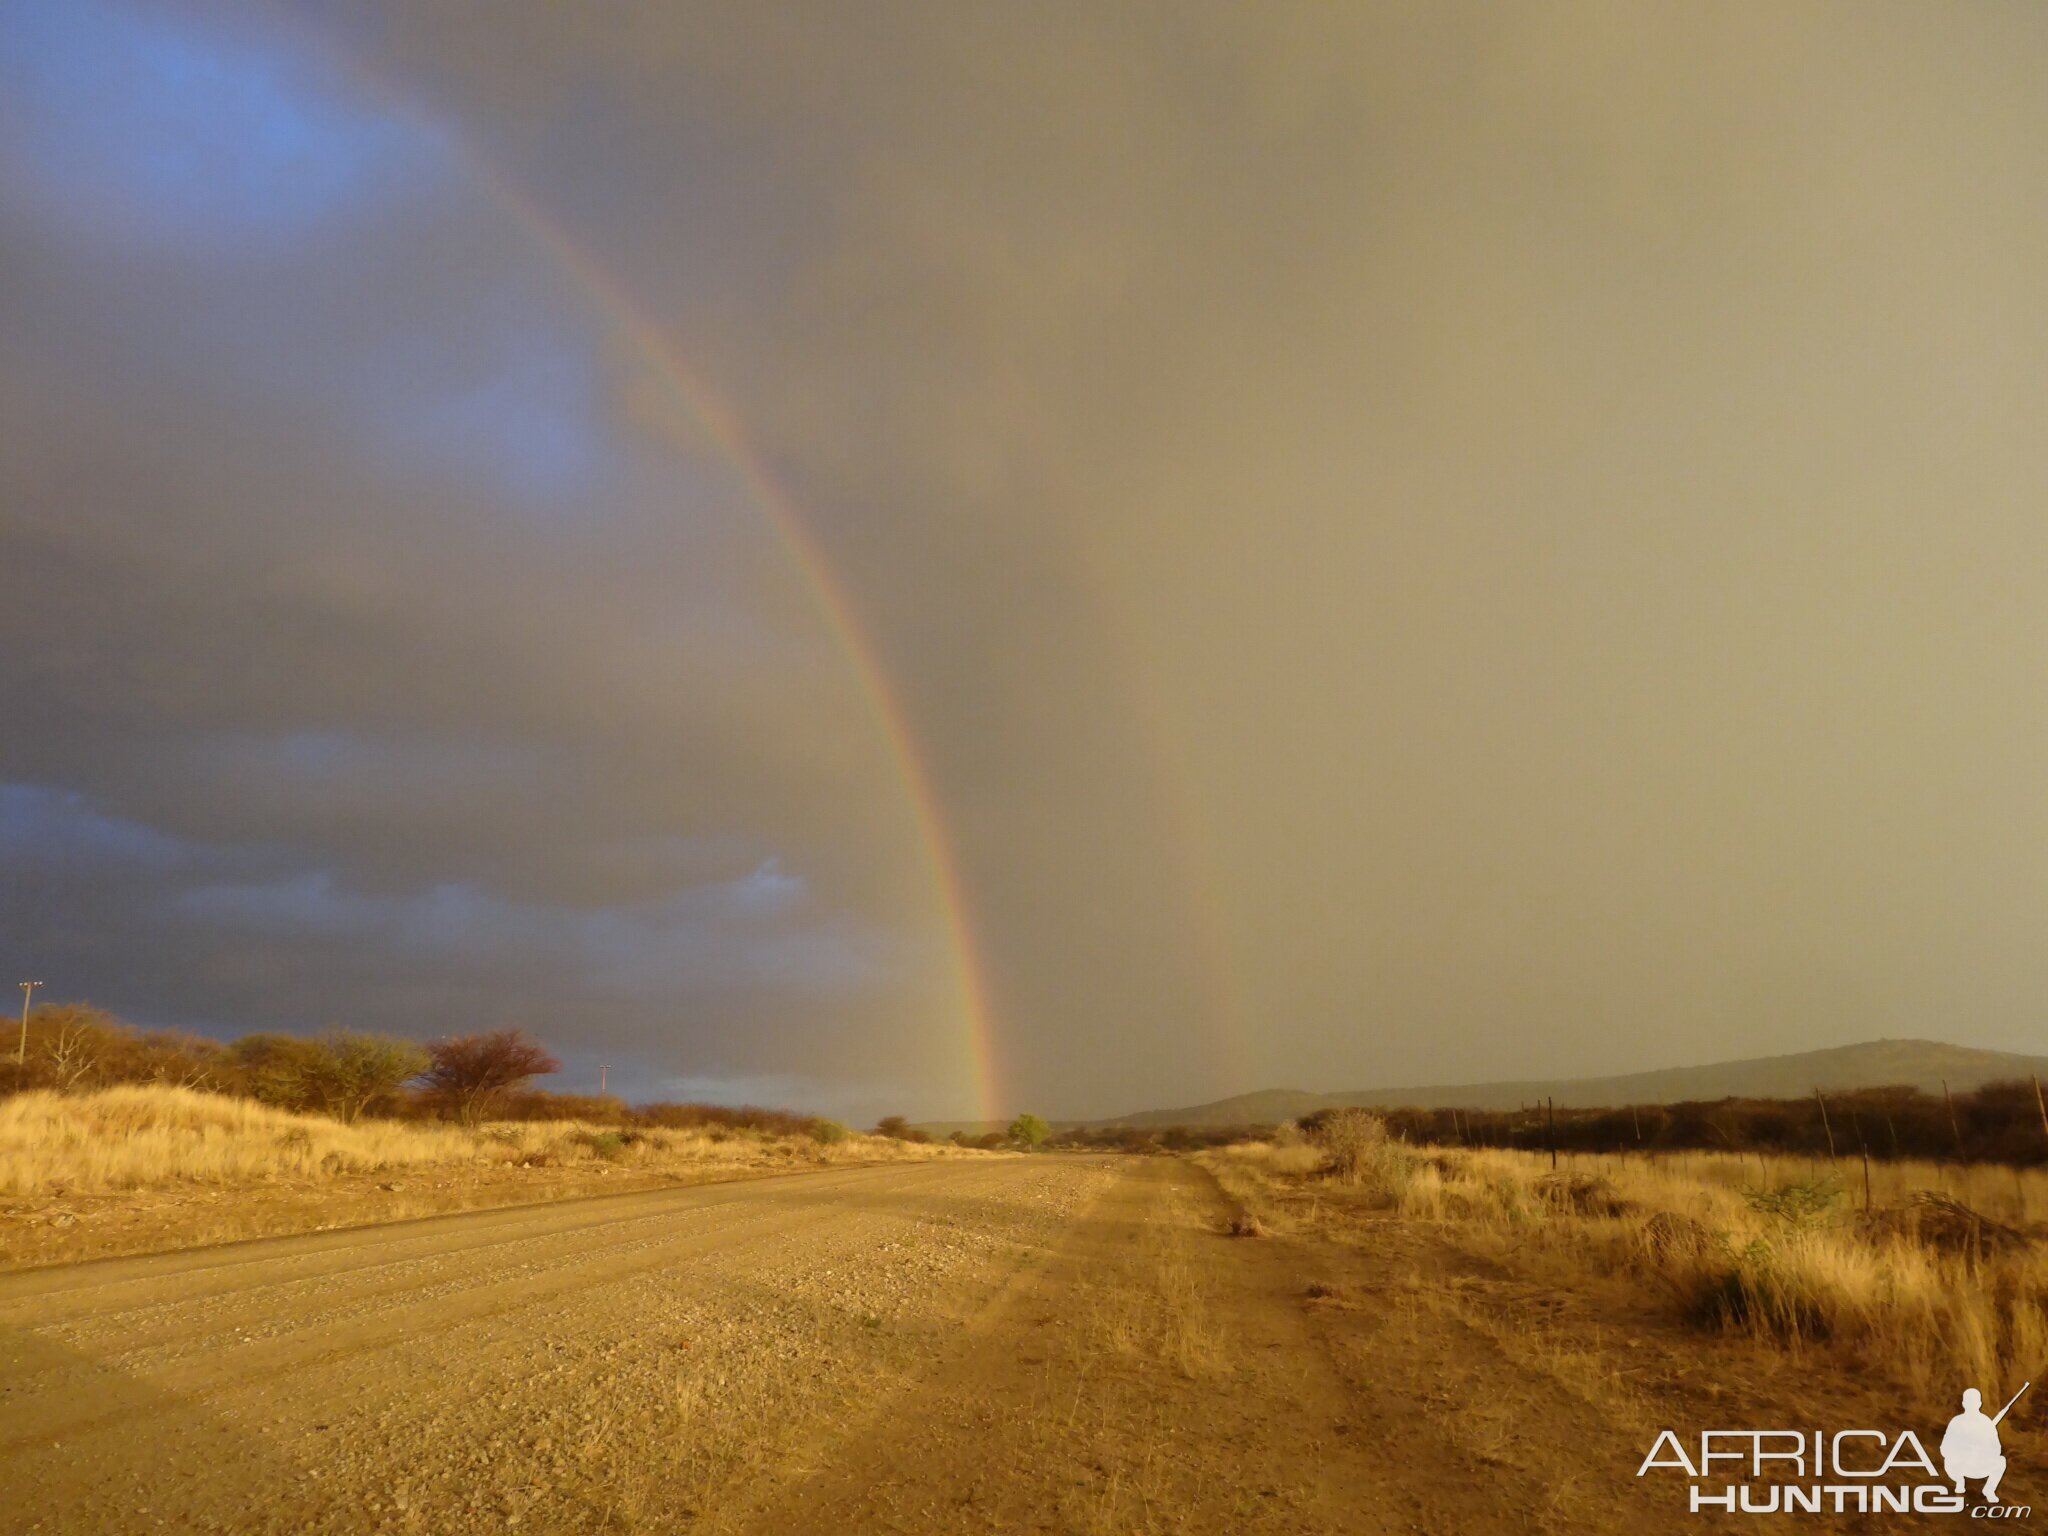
1352,1139
470,1073
537,1104
1760,1291
609,1145
279,1070
746,1117
1803,1203
341,1073
71,1047
828,1133
355,1070
1579,1194
1029,1130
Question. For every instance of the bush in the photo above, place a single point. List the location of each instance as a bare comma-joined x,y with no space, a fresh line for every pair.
341,1074
1352,1138
471,1073
1029,1130
1757,1290
356,1071
747,1117
1579,1194
609,1145
537,1104
71,1048
1806,1203
828,1133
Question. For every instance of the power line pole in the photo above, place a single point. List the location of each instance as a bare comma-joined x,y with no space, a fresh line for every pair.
602,1073
28,990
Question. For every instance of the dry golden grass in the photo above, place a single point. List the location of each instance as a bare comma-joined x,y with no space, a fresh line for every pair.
150,1136
1781,1249
1154,1304
1249,1173
1186,1330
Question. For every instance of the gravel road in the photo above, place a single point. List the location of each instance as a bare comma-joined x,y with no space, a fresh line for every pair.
986,1346
640,1362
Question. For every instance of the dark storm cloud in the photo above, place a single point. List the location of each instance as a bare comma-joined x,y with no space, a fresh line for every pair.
378,666
1415,540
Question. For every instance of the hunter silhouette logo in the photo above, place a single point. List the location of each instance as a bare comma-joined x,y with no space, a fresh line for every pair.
1970,1446
1844,1471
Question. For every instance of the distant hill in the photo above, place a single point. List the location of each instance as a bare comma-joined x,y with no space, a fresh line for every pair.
1875,1063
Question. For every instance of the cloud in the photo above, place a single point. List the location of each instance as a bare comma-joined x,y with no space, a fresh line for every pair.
123,124
42,828
694,941
1411,541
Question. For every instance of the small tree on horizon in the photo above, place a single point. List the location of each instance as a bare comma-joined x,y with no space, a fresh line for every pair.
470,1073
1029,1130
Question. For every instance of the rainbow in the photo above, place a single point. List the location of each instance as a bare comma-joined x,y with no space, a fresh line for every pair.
721,427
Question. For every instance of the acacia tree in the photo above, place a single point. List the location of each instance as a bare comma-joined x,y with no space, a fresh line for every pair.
1029,1130
69,1045
470,1073
357,1070
283,1070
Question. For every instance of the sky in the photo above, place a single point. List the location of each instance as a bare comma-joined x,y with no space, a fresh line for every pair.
959,558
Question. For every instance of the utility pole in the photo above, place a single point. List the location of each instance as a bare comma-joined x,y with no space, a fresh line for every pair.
602,1073
28,990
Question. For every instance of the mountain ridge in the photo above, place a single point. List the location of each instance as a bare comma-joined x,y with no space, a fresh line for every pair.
1922,1064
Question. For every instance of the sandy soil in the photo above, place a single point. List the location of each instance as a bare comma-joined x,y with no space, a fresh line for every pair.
1056,1344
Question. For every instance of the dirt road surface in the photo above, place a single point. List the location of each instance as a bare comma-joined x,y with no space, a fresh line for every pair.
1053,1344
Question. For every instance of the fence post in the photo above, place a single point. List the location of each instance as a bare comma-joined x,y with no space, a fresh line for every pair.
1862,1146
1830,1130
1953,1129
1550,1119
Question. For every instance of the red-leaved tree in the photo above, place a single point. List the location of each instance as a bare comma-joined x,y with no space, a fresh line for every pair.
471,1073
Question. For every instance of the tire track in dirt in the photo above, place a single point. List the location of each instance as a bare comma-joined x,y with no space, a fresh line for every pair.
1152,1376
